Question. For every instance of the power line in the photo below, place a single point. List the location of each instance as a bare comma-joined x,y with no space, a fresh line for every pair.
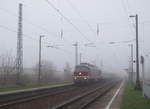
126,41
11,30
67,19
78,12
126,13
33,39
33,24
64,50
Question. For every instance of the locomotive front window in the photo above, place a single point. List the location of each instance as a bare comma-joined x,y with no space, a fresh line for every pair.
81,69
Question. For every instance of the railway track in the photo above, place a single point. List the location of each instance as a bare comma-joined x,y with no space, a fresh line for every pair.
49,98
14,95
9,99
82,101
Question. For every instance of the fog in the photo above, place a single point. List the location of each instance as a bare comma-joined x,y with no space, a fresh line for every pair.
112,16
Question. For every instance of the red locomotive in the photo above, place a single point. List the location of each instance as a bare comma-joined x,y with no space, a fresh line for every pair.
86,72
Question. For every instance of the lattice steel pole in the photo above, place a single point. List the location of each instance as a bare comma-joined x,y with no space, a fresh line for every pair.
19,58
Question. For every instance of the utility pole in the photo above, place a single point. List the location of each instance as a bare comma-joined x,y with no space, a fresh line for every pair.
19,58
102,65
39,70
76,53
132,75
143,71
138,86
80,57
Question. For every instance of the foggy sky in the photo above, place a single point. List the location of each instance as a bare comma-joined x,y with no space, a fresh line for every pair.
39,18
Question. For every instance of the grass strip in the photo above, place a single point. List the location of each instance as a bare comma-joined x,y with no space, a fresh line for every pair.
133,99
31,86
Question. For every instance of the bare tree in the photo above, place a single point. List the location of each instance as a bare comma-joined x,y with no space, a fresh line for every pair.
48,71
7,70
67,72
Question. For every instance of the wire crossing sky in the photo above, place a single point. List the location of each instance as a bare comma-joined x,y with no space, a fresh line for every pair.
80,20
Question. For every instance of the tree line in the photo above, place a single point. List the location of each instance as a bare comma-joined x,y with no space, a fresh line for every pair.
49,73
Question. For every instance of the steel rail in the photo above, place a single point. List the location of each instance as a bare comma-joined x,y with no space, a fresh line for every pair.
34,95
105,88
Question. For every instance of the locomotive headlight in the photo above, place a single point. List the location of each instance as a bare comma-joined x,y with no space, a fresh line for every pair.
80,73
85,77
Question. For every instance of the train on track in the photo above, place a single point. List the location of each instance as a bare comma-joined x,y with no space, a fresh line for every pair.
85,72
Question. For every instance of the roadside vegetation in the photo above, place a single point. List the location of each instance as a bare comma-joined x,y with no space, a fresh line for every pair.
133,99
50,75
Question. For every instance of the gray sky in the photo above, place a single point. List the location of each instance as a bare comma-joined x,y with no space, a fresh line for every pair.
39,18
